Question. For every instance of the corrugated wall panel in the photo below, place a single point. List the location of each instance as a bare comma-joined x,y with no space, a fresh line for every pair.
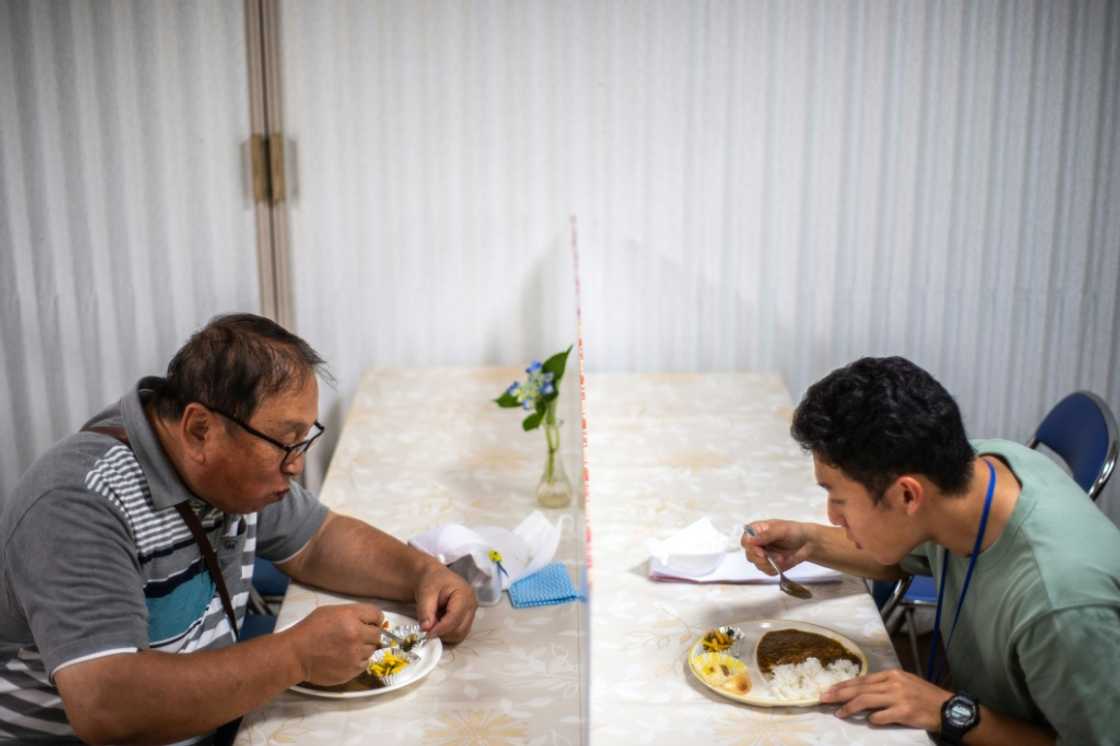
762,185
422,230
123,219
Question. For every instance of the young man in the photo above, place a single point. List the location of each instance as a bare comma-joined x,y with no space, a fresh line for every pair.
107,594
1034,653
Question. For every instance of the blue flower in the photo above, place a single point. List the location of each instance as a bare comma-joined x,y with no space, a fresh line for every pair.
537,392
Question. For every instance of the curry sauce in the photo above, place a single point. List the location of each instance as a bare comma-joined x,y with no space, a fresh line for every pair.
793,646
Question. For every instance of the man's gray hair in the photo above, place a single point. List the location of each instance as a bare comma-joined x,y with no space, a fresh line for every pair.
235,362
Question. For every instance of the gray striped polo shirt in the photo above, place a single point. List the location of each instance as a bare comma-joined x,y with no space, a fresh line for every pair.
95,560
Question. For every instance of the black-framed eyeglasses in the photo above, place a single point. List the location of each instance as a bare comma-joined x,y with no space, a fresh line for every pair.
291,452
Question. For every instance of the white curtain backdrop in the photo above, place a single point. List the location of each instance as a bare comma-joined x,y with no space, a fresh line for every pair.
123,221
760,185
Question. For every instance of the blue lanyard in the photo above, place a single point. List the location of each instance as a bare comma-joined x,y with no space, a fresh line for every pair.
931,672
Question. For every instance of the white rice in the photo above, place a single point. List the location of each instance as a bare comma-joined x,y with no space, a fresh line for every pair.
808,679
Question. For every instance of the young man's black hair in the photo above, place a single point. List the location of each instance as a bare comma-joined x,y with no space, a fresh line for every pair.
878,418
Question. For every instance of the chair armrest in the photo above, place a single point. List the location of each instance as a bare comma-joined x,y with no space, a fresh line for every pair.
896,597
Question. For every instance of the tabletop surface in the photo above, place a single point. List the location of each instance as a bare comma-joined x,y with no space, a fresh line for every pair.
421,448
664,451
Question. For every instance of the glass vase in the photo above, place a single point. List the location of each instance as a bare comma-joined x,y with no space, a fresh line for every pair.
554,490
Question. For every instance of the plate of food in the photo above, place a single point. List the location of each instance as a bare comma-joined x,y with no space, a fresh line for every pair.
774,662
391,666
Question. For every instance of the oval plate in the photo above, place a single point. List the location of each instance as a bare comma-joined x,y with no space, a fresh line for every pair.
430,653
744,650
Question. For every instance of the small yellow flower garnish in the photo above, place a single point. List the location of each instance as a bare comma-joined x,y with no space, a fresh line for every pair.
388,665
716,641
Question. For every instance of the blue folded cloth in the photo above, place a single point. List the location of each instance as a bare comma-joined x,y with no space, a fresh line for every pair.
547,586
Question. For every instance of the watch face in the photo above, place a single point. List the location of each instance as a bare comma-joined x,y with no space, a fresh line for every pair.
960,711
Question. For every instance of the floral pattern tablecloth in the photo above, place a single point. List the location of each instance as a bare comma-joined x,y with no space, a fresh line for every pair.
421,448
665,450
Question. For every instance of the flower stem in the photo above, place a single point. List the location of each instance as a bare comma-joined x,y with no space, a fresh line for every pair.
552,439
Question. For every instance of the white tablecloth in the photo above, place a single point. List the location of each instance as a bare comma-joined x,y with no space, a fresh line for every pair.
424,447
421,448
664,451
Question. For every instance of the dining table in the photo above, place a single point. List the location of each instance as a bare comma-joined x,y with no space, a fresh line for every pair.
665,450
648,454
422,448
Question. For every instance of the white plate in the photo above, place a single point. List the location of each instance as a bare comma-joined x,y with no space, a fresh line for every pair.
744,650
430,653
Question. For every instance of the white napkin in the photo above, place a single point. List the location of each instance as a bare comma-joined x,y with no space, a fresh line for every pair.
524,550
695,550
699,554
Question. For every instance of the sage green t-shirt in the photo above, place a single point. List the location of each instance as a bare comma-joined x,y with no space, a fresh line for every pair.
1039,634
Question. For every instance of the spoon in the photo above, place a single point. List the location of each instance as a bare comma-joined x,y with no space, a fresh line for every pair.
788,586
404,643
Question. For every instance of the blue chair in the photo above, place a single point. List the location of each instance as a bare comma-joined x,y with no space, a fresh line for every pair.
1080,429
908,594
265,594
255,625
269,582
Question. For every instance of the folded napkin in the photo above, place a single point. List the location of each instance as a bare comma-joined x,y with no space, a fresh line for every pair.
523,551
734,568
700,553
695,550
544,588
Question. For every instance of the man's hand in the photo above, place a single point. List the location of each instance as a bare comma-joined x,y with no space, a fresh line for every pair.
786,541
893,696
333,643
445,604
349,556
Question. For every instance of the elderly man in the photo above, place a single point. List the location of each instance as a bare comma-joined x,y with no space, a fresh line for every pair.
108,598
1027,566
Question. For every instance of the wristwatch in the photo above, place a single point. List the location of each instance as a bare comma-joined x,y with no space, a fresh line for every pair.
959,715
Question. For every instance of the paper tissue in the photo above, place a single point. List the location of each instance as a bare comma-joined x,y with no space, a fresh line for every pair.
701,553
524,550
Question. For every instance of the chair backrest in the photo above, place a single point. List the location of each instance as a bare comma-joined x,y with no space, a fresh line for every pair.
267,579
1082,430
